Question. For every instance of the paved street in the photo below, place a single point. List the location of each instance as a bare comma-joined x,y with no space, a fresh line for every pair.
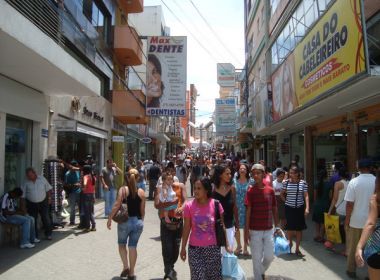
94,255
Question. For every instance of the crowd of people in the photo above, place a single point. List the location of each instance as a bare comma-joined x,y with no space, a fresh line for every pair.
253,202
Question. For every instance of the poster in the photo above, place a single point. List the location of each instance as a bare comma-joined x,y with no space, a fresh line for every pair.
225,116
166,76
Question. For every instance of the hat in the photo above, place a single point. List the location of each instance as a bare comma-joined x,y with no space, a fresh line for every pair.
258,166
365,163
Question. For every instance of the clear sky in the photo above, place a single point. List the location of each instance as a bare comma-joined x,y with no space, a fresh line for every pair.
226,18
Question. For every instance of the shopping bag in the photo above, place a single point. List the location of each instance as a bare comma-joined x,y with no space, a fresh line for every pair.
281,244
238,273
332,228
229,263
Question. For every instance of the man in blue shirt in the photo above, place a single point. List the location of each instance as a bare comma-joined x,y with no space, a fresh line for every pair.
72,181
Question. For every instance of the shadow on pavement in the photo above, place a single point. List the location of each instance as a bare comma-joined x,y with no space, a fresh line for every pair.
157,238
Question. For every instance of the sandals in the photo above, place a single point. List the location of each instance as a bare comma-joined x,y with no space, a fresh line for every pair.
238,251
124,274
299,254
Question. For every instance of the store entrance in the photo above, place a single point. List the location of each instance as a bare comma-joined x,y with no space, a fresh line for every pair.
369,142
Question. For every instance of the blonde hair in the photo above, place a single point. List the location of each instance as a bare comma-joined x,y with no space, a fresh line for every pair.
131,178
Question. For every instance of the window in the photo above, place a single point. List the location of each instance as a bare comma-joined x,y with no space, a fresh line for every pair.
273,6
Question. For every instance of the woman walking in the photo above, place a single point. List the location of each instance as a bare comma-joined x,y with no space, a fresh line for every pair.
321,205
225,192
129,232
296,198
199,224
88,192
241,184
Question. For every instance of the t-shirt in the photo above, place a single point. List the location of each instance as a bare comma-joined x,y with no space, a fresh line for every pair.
359,191
295,193
202,222
154,172
36,191
8,203
90,187
277,186
71,178
109,176
261,201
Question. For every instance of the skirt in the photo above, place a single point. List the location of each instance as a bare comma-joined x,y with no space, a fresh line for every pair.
205,263
295,218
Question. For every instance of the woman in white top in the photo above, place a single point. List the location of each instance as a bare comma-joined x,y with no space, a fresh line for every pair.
338,204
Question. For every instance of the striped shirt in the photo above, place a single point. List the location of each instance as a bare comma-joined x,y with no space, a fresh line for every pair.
295,193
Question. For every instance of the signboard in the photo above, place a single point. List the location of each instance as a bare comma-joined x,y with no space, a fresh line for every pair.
332,52
118,138
44,133
130,139
261,112
225,116
146,140
225,74
166,76
65,125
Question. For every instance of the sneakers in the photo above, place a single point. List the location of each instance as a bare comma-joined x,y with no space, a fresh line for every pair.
36,240
27,245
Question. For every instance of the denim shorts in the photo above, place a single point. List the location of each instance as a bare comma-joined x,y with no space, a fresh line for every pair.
130,231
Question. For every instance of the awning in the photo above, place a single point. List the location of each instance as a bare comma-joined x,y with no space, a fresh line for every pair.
160,136
69,125
92,131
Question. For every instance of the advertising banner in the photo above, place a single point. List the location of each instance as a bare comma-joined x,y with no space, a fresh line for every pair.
262,107
166,76
225,116
332,52
226,74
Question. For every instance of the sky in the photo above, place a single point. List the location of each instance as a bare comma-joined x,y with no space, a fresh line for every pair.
226,18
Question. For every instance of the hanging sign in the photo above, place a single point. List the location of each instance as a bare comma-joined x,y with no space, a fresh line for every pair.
118,139
146,140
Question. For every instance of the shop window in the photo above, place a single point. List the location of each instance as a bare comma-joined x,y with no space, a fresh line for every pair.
17,151
369,142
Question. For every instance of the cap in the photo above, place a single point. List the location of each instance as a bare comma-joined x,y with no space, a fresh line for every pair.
258,166
365,163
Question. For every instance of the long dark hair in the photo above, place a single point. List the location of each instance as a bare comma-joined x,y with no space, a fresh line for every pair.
87,170
207,185
247,173
218,171
344,174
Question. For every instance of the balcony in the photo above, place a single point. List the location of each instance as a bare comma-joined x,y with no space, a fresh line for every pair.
127,106
127,46
131,6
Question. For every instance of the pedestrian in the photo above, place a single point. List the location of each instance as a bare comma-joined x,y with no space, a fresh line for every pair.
321,205
141,170
225,192
370,237
278,167
88,192
167,194
129,232
10,213
171,232
73,189
241,184
196,173
296,197
107,178
261,213
358,195
268,179
154,174
199,224
36,193
277,187
181,171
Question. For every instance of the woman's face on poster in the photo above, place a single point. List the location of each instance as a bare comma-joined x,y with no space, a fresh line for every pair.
154,81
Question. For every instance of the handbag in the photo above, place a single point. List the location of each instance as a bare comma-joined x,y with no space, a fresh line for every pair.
121,215
174,225
219,228
332,228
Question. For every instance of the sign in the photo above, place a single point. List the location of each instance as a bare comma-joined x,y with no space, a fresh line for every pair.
225,74
146,140
261,110
44,133
332,52
129,139
65,125
91,114
225,116
166,76
118,138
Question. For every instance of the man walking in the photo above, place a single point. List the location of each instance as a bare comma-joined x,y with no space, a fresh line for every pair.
72,182
358,195
107,177
258,232
36,195
154,174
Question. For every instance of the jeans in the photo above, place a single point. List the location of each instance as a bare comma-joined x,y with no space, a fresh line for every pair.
129,232
27,225
74,199
262,247
88,207
170,241
41,208
109,200
152,187
141,185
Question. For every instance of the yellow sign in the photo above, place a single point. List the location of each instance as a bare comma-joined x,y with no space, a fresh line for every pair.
332,52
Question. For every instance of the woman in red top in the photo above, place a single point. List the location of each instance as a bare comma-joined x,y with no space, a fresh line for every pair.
88,192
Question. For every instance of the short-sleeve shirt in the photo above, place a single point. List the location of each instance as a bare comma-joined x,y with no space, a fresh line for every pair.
295,193
90,187
109,176
261,201
359,191
202,222
8,203
36,191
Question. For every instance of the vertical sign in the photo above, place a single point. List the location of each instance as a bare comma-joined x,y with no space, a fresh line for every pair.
225,116
166,76
225,74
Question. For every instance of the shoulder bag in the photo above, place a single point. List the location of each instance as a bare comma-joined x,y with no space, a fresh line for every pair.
219,228
121,215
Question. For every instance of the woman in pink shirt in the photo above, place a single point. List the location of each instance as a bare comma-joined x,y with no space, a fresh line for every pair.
199,216
88,192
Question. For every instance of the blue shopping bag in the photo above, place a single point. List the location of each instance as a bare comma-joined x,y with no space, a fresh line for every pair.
229,263
281,244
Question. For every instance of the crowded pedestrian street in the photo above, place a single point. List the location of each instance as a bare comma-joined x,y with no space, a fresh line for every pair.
74,255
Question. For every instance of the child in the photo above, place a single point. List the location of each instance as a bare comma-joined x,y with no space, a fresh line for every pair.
277,186
166,194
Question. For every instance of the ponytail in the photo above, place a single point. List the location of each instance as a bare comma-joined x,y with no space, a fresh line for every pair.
131,178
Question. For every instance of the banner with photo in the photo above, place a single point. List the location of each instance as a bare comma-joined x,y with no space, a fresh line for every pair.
261,110
225,116
166,76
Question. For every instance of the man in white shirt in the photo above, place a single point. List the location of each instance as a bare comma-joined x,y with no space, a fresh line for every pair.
359,192
36,194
